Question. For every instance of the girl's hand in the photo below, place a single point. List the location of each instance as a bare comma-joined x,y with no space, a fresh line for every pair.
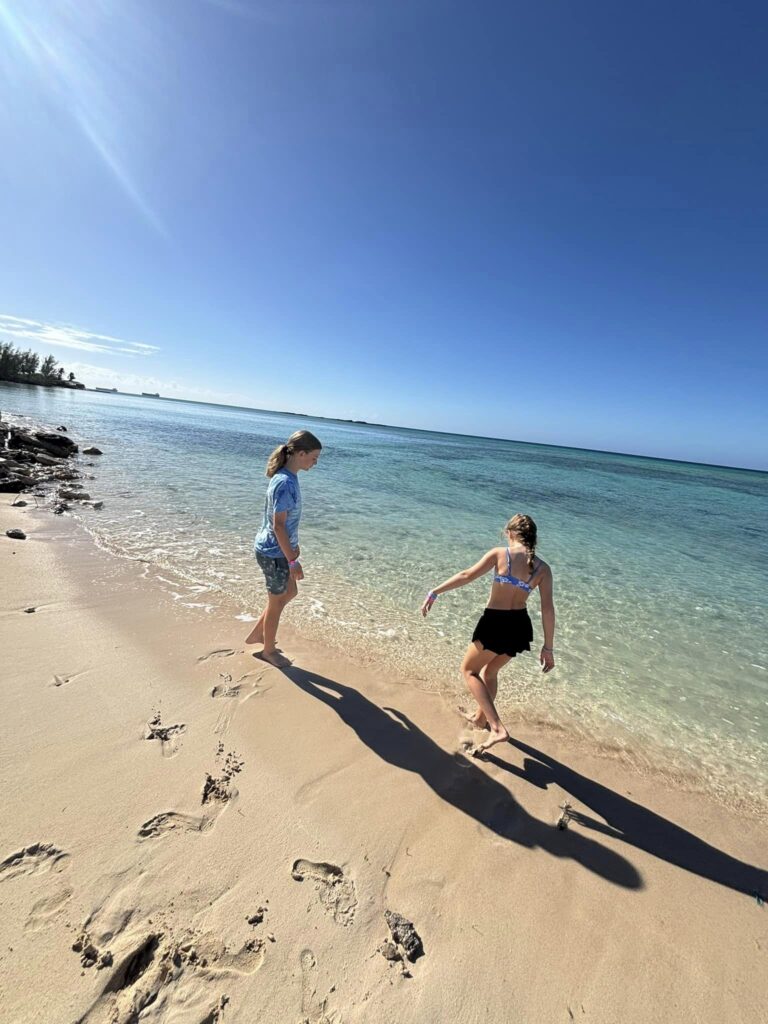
546,660
296,571
429,600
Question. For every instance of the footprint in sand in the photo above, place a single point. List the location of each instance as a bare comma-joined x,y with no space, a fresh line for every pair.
172,821
46,910
312,1008
32,860
219,788
225,687
235,695
166,734
159,974
217,793
335,891
219,652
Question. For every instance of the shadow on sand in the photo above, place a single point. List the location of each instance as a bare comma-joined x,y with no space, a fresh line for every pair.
462,783
636,825
458,780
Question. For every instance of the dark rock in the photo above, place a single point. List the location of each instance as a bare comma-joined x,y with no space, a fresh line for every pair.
55,444
43,459
15,484
74,495
30,610
59,507
21,439
92,451
16,534
22,456
62,428
389,951
19,503
405,935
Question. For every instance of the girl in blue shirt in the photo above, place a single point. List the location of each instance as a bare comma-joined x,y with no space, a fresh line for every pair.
276,546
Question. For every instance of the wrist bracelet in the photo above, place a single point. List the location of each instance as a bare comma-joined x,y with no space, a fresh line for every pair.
431,595
550,649
292,562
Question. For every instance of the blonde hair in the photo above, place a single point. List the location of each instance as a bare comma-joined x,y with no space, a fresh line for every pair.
525,528
301,441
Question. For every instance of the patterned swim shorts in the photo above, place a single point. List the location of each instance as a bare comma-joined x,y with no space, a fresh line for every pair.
276,572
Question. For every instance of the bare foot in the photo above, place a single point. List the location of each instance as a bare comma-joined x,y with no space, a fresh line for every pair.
256,636
497,736
476,719
274,658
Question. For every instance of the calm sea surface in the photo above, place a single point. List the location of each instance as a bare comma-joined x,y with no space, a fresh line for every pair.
661,568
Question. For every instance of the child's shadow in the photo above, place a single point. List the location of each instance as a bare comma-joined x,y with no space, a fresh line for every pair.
457,780
637,825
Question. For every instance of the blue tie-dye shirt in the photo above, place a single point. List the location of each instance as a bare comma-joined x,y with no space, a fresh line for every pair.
283,495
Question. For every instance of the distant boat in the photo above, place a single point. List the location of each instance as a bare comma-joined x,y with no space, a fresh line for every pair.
150,394
107,391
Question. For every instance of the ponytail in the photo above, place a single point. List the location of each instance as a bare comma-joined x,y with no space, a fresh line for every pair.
277,459
301,441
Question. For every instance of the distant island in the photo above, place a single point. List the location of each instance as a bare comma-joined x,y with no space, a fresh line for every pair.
28,368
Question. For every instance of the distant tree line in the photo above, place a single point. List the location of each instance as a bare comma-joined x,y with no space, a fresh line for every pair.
28,368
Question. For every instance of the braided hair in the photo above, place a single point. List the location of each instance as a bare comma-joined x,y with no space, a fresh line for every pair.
525,528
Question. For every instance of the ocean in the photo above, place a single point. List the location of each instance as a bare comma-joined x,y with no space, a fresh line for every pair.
660,567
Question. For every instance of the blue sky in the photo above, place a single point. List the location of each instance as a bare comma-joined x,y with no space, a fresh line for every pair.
538,221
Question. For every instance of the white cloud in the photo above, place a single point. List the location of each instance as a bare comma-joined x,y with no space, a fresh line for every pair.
37,333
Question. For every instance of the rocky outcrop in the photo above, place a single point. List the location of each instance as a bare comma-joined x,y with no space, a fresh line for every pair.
34,460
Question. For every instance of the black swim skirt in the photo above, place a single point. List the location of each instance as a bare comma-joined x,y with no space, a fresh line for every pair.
504,631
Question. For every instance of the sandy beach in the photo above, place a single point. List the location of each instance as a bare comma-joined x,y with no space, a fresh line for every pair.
190,835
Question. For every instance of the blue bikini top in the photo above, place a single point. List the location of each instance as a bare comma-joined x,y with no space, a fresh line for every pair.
513,580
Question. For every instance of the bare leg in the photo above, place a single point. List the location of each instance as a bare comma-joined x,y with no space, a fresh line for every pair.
272,613
490,676
256,636
475,660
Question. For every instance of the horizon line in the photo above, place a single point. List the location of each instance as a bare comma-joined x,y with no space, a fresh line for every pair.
446,433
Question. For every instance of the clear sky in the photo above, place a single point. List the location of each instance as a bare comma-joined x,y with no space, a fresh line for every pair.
544,221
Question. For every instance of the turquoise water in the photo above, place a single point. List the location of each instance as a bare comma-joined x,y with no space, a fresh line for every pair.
661,568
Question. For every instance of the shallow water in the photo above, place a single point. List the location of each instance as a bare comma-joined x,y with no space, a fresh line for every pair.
661,568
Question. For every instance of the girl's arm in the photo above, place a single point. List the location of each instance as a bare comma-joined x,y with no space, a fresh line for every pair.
281,535
488,561
547,656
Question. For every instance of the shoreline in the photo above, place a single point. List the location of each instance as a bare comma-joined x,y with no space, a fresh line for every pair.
642,756
312,773
644,759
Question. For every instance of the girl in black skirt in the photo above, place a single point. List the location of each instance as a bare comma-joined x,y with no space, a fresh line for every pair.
504,629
